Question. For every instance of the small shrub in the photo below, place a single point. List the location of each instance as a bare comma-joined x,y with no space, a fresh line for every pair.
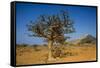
24,45
35,47
58,52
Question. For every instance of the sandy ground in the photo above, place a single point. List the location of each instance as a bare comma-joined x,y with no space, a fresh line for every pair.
29,55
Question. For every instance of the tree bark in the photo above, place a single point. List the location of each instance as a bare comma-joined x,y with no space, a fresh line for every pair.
50,43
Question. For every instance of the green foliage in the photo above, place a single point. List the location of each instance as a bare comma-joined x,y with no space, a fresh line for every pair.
65,42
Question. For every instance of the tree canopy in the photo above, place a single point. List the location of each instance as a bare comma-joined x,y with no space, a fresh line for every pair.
52,27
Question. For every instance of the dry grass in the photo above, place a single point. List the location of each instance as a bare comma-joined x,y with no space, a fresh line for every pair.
28,55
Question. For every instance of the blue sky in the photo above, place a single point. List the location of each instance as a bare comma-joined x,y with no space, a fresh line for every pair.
84,20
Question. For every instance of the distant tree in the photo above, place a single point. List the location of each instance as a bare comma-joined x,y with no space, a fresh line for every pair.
24,45
52,28
35,47
45,45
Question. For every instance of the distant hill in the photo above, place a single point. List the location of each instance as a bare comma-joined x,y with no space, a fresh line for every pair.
85,39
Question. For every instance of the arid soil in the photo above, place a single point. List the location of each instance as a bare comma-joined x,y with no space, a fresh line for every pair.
76,53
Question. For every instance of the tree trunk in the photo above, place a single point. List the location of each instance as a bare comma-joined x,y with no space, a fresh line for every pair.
50,43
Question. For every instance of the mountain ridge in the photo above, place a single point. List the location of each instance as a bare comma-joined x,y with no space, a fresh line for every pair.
87,38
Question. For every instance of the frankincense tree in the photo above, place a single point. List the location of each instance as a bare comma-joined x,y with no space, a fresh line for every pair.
52,27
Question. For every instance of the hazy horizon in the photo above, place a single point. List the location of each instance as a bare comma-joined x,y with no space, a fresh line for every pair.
84,20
